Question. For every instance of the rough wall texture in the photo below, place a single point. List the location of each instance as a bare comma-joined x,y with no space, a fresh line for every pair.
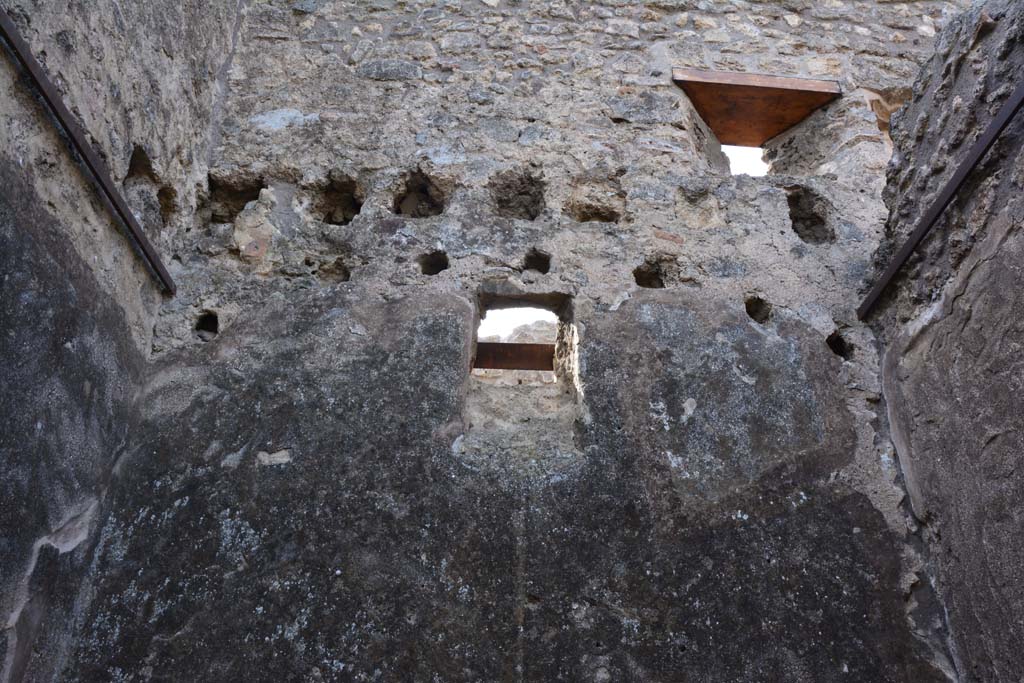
280,520
953,372
71,373
311,492
577,95
309,496
77,306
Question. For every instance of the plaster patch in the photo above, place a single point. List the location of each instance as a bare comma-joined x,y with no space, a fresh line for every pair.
281,457
279,119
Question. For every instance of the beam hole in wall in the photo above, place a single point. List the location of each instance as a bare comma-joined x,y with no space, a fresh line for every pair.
230,193
746,160
433,263
207,325
584,209
808,212
650,274
168,199
341,201
758,309
140,165
332,271
518,194
420,197
840,345
537,260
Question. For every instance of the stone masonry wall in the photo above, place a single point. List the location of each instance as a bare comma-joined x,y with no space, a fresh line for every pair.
288,470
309,494
952,372
76,304
579,94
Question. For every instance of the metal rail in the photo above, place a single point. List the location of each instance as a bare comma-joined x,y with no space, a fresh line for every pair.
948,194
112,198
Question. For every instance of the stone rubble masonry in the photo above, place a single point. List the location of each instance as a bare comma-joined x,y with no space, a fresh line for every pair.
76,306
952,328
284,473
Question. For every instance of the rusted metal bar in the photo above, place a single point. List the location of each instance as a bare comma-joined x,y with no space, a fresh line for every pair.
946,197
498,356
115,202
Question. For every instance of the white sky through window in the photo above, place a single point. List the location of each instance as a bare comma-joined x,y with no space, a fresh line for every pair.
745,160
501,322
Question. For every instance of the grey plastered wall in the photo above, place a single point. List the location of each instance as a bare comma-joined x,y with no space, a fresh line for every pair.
952,370
77,305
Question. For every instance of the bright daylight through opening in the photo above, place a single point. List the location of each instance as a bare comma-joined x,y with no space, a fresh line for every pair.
503,322
745,160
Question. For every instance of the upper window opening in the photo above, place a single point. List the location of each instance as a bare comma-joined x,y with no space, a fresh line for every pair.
517,339
746,160
523,398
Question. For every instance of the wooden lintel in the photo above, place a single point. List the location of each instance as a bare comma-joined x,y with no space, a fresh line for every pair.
511,356
751,109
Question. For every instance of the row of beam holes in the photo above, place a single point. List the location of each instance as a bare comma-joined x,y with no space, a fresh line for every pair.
436,262
760,311
515,193
338,202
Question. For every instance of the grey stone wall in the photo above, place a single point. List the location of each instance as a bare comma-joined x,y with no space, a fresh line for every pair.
311,494
580,95
288,474
77,305
298,507
952,370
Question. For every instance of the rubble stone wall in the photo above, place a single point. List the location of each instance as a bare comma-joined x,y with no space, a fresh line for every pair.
77,306
952,326
310,487
315,491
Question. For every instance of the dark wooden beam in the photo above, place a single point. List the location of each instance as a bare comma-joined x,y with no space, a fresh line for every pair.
750,109
499,356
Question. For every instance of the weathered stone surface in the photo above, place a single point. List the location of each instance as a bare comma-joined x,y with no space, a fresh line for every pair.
953,370
374,550
317,490
390,70
76,304
71,373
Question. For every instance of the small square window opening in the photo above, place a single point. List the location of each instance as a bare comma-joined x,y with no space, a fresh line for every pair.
517,344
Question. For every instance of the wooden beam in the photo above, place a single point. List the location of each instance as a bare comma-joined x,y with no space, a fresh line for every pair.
500,356
751,109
